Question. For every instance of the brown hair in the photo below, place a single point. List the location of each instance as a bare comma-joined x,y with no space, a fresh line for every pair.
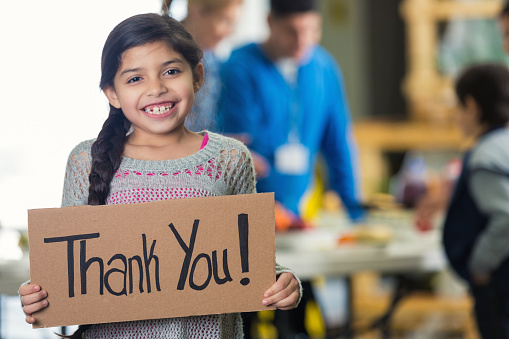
488,84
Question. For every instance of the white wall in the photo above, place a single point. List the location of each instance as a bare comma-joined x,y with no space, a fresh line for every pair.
50,60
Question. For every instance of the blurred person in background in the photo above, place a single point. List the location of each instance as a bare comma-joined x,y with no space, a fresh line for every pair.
503,21
209,22
435,203
285,99
476,228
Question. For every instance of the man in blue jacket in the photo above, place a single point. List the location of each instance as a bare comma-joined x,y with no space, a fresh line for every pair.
285,98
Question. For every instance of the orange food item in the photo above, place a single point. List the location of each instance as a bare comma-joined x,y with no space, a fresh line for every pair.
347,238
282,217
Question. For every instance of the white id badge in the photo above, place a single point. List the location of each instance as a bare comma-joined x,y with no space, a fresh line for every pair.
292,159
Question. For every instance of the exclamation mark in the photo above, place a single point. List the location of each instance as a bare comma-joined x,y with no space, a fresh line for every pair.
244,245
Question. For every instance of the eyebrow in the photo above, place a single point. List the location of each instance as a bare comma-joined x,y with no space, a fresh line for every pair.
165,64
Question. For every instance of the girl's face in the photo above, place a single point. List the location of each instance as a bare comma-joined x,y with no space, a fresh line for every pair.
155,88
467,118
210,27
504,29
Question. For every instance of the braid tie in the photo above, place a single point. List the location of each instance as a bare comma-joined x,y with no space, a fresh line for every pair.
106,155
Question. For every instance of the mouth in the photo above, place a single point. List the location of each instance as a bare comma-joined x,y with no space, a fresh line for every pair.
159,109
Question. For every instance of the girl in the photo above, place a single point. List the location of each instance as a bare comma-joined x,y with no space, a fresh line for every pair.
209,22
476,229
151,70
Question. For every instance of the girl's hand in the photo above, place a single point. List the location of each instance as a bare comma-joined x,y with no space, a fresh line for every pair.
33,300
284,294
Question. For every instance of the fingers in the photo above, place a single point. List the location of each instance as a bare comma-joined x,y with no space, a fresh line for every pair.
284,293
33,300
29,319
286,303
29,309
28,289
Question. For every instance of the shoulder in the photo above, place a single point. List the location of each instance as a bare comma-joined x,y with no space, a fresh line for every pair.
321,60
83,149
227,144
248,55
491,152
248,49
322,57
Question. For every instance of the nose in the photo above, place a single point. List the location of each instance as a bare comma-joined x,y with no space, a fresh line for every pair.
156,87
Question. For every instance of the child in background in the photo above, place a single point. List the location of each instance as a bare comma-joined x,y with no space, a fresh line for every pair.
503,23
209,22
476,229
151,69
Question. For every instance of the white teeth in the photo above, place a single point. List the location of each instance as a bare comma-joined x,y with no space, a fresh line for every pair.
158,110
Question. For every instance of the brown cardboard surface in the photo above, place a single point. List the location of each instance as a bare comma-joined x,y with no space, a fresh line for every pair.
233,241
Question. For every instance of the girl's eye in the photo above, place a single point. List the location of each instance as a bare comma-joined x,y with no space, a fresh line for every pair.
134,79
172,72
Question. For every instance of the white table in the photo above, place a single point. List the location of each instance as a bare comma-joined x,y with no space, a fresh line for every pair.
414,253
316,253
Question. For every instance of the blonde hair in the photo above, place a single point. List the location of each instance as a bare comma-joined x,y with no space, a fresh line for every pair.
208,5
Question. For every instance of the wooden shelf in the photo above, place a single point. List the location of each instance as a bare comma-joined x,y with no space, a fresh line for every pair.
403,136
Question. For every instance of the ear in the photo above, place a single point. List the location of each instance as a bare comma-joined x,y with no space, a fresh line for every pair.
270,20
198,76
472,107
112,97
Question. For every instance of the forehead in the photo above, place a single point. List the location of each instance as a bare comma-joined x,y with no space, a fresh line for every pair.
158,50
299,20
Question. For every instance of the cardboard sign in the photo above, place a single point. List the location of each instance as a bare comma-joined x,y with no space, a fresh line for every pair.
153,260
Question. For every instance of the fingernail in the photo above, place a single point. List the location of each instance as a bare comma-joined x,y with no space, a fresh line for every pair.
45,303
265,302
44,293
266,295
37,288
31,320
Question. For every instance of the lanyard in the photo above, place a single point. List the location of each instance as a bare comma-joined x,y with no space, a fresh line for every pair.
289,70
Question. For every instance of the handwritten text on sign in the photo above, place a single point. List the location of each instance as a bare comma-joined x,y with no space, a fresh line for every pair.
154,260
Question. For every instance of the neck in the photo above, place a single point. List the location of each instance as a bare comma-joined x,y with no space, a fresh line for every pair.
175,137
174,145
271,51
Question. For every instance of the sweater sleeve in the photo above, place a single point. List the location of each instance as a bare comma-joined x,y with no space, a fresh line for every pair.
76,177
240,173
490,191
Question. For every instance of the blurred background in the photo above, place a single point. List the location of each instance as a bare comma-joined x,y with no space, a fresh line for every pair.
399,59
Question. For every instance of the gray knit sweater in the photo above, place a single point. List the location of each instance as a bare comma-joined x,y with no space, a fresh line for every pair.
489,186
223,167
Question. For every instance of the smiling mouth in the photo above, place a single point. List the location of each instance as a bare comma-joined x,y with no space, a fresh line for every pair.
159,109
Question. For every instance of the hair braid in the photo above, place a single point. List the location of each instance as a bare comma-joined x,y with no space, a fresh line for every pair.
106,155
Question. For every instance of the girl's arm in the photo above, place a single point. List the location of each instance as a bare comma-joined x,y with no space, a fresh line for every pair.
76,182
240,170
490,191
32,296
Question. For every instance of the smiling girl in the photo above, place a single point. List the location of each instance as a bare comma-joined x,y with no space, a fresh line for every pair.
151,70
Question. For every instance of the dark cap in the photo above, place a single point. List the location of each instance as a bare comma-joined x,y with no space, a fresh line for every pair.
284,7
